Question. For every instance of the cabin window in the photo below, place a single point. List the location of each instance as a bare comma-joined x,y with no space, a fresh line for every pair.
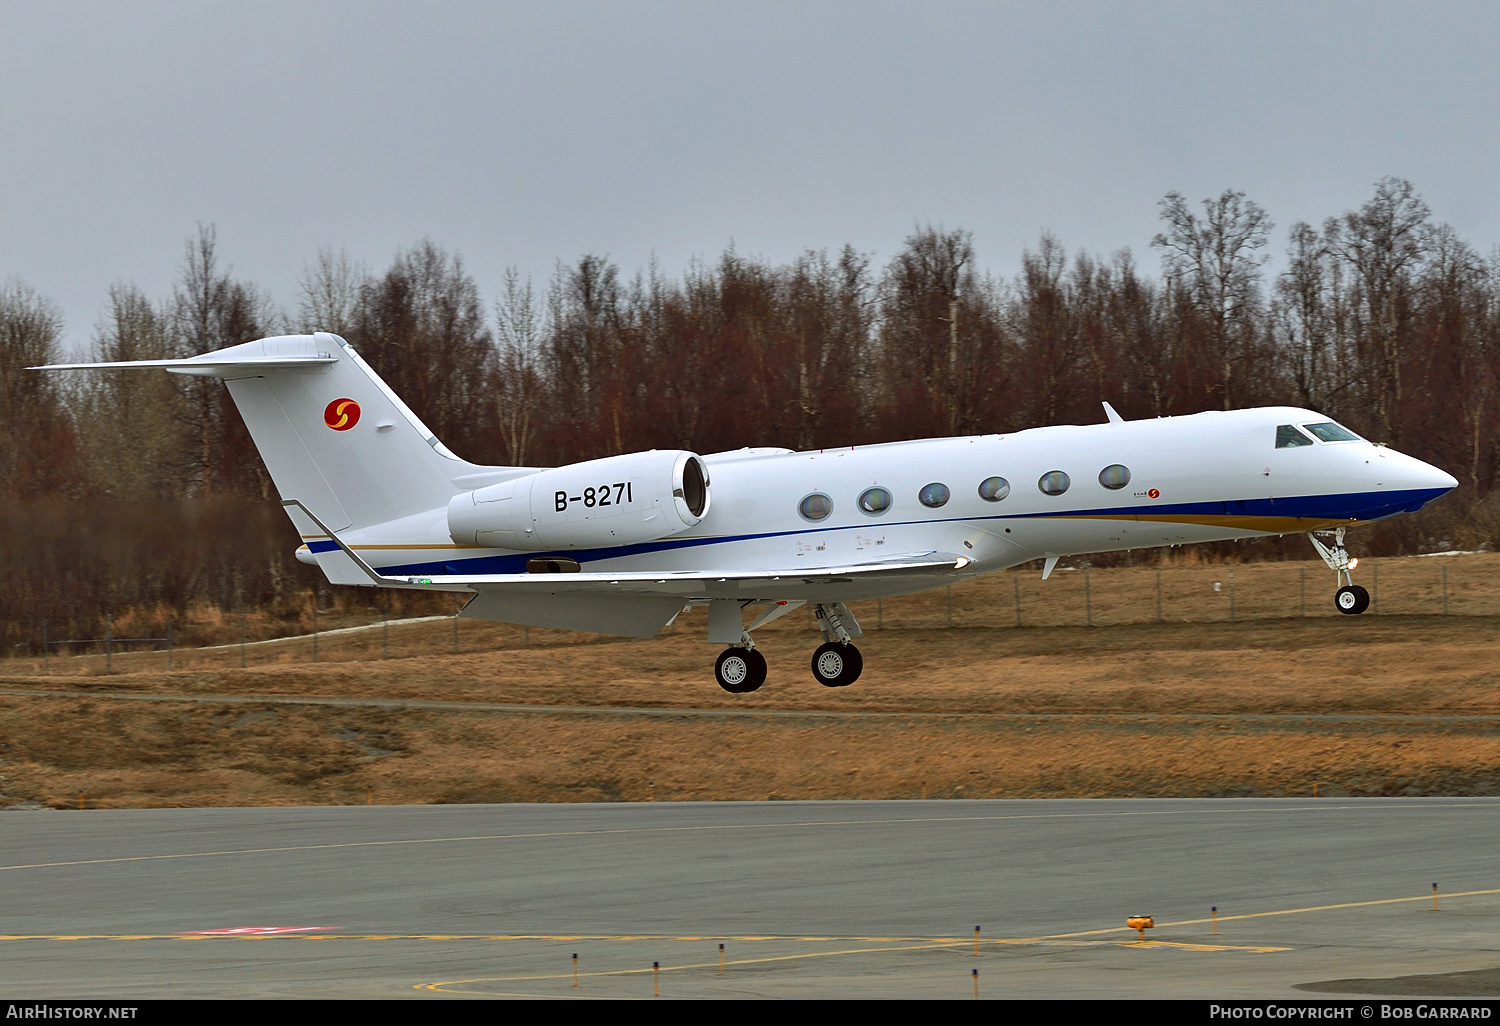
1114,476
816,506
875,501
1054,482
993,489
1288,437
1328,431
933,495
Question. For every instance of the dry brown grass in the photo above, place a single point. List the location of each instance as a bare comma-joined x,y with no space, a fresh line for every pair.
1385,704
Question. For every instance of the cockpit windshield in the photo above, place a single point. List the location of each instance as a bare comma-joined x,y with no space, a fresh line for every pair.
1328,431
1288,437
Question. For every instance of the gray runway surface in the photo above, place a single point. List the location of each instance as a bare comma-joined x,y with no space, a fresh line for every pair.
867,899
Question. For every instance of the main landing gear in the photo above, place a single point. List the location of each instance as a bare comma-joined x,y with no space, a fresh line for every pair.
1350,598
837,663
741,669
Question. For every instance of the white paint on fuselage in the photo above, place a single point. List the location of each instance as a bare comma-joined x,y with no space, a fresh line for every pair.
754,523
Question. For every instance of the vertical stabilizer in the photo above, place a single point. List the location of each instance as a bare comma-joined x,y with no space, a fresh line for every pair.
339,433
332,434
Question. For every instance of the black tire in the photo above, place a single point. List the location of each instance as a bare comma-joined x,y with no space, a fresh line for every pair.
740,671
1351,599
836,665
757,671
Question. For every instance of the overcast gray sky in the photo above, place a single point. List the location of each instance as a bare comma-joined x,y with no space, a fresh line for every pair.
524,133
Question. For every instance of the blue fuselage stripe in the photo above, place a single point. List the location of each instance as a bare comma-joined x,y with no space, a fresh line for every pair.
1349,506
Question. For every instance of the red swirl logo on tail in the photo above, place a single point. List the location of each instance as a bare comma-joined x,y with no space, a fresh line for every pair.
341,414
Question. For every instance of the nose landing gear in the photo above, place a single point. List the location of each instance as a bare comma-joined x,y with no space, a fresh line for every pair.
1350,598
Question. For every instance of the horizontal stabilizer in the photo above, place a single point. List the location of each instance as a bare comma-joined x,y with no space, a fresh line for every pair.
208,365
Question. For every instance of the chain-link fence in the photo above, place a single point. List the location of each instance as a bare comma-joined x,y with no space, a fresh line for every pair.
1445,585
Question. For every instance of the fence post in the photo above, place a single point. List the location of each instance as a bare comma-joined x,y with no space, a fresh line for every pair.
46,657
109,643
950,607
1375,587
1016,579
315,626
1302,586
1088,596
1445,589
242,642
385,634
169,644
1231,595
1158,594
455,632
880,614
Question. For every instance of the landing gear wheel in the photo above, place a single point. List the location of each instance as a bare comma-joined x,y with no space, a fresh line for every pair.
1351,599
740,671
837,665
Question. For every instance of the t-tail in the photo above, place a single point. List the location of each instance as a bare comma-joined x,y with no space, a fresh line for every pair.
333,436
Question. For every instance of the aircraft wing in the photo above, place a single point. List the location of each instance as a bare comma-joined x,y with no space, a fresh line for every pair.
912,563
668,582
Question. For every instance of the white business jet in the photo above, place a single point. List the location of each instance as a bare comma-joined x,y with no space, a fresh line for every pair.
625,544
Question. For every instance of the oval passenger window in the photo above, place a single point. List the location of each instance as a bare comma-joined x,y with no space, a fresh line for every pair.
933,495
815,507
875,501
1114,476
1054,482
993,489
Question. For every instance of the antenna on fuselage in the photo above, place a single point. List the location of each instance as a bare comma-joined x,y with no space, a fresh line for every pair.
1114,418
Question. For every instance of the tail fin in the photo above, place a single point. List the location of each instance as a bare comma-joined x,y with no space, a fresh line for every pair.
332,434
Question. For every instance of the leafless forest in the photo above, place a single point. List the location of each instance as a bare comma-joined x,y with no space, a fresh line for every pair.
141,492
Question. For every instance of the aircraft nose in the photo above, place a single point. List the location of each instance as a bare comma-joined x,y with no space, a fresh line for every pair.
1426,477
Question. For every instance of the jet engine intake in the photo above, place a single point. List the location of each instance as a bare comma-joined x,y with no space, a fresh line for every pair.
619,500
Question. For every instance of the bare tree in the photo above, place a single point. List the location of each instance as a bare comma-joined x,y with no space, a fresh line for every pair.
211,311
133,423
584,309
1383,243
422,326
329,291
519,319
1459,358
1216,261
1146,353
928,311
1043,321
38,447
1307,321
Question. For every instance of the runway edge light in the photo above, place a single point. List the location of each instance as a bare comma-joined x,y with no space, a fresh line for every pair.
1140,924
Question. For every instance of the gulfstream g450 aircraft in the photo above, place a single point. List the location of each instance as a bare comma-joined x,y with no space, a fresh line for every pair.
623,545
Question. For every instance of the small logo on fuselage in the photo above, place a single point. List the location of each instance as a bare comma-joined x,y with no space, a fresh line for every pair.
341,414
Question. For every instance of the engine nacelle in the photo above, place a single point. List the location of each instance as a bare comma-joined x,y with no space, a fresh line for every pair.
620,500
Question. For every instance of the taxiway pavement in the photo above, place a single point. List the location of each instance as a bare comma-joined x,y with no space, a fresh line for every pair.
819,899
